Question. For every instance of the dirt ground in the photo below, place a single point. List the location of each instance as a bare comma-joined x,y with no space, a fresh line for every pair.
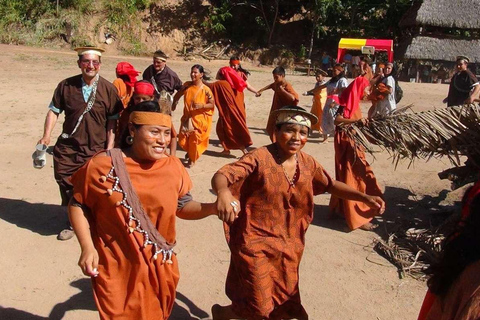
341,277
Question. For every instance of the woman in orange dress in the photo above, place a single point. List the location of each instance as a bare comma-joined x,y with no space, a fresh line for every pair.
351,166
232,129
266,198
124,208
196,122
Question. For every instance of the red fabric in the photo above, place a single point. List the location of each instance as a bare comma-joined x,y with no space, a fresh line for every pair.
351,96
233,79
427,305
144,87
126,69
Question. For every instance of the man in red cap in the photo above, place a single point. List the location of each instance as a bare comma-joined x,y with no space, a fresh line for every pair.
91,107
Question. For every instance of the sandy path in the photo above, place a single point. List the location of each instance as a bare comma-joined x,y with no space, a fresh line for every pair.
39,275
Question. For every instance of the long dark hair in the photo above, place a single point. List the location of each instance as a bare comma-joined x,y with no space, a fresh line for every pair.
240,68
460,250
340,75
147,106
201,70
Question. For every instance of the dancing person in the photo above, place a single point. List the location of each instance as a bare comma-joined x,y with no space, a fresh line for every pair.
144,91
91,105
464,86
243,73
319,99
126,78
196,121
454,283
351,166
232,129
385,92
284,95
161,76
123,211
266,198
335,87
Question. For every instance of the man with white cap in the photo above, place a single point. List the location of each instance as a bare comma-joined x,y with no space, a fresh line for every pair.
161,76
464,86
91,105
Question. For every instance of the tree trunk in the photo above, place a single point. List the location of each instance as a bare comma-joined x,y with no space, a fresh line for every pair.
273,23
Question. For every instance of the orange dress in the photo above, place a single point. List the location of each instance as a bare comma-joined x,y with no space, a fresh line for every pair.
232,127
319,101
131,284
197,142
124,92
267,239
352,168
280,99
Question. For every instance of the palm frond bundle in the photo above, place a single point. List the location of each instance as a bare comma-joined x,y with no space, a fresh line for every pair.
450,132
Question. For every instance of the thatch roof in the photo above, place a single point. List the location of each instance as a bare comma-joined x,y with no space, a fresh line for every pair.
462,14
429,48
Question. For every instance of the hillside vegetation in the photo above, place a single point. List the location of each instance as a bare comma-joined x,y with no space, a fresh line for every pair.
287,28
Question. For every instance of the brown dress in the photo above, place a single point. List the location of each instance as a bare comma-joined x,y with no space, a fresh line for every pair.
232,127
280,99
267,239
352,168
131,284
71,153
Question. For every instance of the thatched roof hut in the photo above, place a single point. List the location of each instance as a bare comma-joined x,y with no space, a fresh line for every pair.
461,14
441,49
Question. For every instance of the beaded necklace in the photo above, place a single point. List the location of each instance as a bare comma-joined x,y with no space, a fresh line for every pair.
291,182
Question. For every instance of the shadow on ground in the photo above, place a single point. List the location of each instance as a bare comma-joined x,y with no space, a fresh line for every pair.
84,301
403,208
41,218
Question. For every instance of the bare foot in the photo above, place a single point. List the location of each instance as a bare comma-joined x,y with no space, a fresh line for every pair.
223,313
369,226
324,138
225,152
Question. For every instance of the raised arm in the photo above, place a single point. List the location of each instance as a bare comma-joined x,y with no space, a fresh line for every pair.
250,88
344,191
259,92
227,206
194,210
177,97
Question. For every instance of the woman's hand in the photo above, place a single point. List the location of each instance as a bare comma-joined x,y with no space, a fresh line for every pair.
227,206
88,262
197,106
258,94
375,202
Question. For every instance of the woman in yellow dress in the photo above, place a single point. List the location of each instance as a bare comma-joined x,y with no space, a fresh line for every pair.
196,122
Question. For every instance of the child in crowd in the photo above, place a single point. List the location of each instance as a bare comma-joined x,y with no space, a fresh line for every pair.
319,99
284,95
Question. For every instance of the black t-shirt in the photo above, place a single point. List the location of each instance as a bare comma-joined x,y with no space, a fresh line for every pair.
460,87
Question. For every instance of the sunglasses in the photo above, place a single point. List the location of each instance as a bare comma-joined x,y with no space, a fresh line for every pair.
86,63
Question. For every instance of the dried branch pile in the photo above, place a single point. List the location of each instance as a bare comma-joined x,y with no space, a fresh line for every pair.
413,250
450,132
